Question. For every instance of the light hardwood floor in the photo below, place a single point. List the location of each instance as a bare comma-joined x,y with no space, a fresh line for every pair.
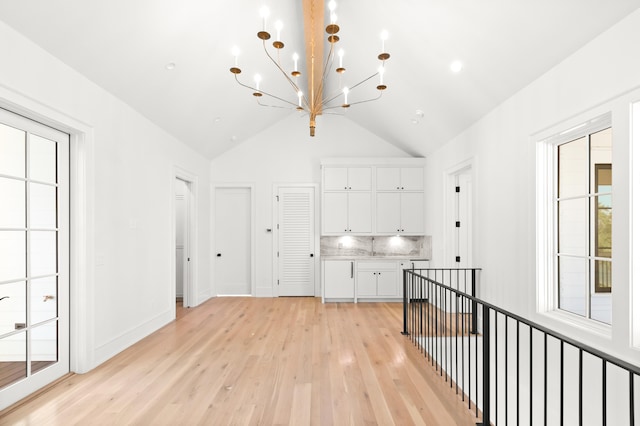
237,361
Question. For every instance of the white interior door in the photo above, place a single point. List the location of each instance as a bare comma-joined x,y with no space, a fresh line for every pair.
232,238
34,256
296,241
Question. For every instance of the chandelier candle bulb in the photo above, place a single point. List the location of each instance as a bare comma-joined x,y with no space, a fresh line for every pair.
278,29
384,36
300,99
346,92
264,13
340,55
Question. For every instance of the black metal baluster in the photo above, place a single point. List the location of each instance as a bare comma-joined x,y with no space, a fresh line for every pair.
517,372
530,376
545,378
604,393
580,389
506,370
632,410
561,383
486,366
495,361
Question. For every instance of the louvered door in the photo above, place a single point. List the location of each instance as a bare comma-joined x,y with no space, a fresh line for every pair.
296,234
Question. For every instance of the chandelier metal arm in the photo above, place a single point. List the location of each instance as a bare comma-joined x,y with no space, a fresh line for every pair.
284,73
326,101
263,92
356,103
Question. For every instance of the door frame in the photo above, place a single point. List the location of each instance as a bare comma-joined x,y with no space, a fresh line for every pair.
252,242
82,255
190,285
450,209
276,234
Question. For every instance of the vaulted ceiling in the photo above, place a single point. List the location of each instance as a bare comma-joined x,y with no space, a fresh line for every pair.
126,46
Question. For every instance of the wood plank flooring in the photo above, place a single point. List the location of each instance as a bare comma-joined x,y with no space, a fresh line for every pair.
249,361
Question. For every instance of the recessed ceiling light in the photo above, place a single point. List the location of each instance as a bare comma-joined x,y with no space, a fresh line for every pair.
456,67
217,119
233,138
170,66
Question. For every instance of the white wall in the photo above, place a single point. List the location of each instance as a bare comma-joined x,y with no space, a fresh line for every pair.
284,153
126,291
502,147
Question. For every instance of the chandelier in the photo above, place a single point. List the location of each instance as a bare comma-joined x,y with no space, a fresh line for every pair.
315,101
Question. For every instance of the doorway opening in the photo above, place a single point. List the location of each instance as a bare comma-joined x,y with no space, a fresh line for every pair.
184,207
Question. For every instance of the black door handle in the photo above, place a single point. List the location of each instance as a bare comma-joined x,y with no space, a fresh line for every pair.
311,255
219,255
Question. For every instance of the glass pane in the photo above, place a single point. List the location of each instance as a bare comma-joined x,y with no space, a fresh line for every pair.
13,306
13,359
12,255
572,227
12,151
572,279
42,206
44,299
42,159
43,253
12,206
601,161
601,306
572,168
44,346
603,226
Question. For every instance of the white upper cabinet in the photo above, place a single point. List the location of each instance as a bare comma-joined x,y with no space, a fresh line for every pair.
347,213
400,213
399,178
373,196
347,178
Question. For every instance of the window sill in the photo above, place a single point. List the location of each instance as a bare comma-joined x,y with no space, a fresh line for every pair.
577,322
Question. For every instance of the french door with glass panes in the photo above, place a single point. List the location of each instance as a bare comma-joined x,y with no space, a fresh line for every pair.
34,256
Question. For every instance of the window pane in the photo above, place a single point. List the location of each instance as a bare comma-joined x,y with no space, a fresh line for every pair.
572,168
13,306
572,227
42,159
572,280
13,367
601,161
44,299
43,253
602,277
12,204
602,224
12,151
12,255
42,206
44,346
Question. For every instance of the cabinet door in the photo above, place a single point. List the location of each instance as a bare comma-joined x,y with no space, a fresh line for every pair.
336,178
412,178
338,279
360,212
367,283
412,213
387,178
388,212
387,283
360,178
335,213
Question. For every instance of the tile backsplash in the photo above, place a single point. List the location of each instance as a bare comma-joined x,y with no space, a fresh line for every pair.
411,247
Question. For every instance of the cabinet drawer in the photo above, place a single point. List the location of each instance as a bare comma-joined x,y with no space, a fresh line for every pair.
381,265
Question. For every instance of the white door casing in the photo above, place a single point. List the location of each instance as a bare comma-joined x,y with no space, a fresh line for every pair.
458,215
296,241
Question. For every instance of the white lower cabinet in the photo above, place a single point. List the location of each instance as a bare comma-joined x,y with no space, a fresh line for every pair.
377,279
338,279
